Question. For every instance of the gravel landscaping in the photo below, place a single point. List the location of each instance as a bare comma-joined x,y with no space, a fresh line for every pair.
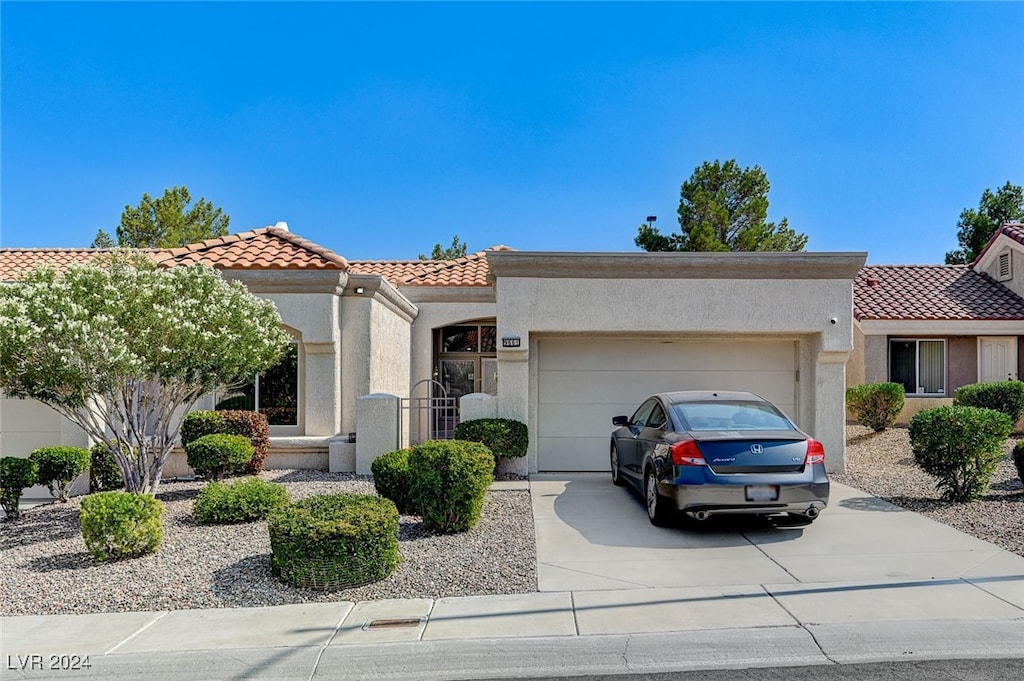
45,569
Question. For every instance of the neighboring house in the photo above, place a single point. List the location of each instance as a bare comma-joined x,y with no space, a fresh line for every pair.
935,328
563,342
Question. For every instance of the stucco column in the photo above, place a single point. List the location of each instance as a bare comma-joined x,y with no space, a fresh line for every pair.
514,393
376,428
322,382
830,407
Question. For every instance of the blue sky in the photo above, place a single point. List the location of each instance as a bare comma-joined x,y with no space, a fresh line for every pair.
380,129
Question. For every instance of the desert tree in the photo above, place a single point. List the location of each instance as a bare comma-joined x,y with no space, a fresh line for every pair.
124,349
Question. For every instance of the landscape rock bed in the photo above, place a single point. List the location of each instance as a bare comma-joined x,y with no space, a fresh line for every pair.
46,570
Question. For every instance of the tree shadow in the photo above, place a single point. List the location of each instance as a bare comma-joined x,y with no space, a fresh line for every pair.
863,437
172,496
61,562
871,504
1011,485
53,524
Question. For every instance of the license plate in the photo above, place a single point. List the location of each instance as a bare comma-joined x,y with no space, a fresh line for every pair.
762,492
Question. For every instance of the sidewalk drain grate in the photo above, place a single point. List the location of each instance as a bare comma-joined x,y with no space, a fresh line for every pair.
393,623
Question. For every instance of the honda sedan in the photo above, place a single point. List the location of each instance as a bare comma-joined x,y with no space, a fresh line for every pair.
716,452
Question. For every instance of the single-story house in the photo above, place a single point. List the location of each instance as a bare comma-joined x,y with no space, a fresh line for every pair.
388,352
935,328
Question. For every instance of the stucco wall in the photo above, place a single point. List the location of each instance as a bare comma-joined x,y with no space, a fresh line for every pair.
389,353
375,338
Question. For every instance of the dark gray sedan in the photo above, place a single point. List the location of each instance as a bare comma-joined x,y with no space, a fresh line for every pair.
717,452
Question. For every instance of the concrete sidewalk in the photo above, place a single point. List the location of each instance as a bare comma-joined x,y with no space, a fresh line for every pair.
867,581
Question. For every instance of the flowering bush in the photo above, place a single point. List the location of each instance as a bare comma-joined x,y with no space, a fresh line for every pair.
123,349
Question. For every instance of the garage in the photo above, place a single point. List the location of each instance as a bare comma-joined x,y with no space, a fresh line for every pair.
583,382
586,336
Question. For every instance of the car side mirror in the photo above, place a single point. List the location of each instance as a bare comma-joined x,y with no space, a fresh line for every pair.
620,420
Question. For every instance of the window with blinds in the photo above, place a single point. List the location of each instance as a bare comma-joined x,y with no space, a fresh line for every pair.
919,365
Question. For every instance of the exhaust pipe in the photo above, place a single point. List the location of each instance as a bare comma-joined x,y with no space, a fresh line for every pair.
700,515
812,512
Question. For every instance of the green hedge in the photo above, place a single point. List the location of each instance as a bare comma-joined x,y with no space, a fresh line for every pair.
1003,396
118,525
239,502
105,474
876,405
960,447
334,541
58,467
215,455
450,479
250,424
16,474
391,478
504,437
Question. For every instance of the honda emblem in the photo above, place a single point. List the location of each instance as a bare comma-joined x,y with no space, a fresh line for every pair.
757,449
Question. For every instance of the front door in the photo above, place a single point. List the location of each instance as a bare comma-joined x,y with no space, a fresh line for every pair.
997,359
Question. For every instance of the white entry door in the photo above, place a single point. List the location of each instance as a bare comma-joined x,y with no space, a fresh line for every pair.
997,359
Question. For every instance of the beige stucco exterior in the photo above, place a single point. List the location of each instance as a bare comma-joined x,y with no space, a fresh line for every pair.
359,335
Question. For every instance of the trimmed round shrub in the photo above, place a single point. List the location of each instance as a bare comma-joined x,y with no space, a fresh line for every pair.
250,424
876,405
960,447
215,455
334,541
58,467
450,479
104,473
1003,396
1018,459
504,437
391,478
16,473
239,502
117,525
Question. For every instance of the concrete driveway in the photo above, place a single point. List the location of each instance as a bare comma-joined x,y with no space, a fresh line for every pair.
863,560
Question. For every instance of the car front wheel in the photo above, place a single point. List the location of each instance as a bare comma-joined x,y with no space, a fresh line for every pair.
657,505
616,473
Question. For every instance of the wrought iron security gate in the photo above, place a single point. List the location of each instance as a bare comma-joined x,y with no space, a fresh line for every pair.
430,417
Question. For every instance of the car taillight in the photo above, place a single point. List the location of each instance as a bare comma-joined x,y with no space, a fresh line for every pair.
686,453
815,452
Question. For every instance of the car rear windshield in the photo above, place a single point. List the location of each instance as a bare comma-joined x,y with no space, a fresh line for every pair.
730,416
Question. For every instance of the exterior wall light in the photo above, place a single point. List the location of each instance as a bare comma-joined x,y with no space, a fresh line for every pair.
360,290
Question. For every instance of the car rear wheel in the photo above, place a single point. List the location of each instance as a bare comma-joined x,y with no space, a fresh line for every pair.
657,505
616,473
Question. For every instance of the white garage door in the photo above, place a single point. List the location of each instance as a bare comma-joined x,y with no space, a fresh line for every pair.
583,383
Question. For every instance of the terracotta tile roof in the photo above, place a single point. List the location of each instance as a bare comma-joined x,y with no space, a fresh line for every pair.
471,270
269,248
932,292
14,261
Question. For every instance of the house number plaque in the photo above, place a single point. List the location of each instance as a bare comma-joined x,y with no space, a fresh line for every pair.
510,342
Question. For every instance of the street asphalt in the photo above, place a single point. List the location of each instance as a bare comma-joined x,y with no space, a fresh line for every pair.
867,582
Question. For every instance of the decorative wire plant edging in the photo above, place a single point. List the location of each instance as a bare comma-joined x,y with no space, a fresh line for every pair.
332,573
